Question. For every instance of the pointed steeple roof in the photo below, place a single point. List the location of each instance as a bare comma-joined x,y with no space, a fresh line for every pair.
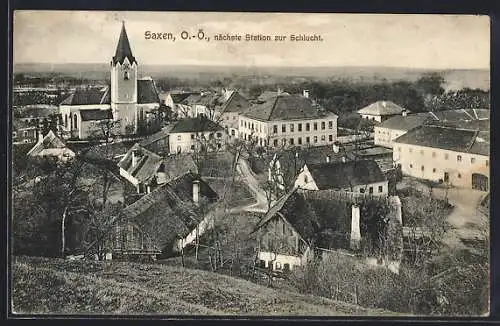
123,49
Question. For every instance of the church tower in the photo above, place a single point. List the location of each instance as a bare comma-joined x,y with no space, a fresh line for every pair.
124,85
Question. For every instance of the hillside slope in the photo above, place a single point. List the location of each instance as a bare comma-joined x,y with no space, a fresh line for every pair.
42,285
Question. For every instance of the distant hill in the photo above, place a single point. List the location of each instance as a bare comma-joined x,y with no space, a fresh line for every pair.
455,78
42,285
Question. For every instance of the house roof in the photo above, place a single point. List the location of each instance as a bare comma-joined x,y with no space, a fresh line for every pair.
198,124
96,114
123,49
168,211
382,108
179,97
324,216
267,95
286,107
151,139
88,96
405,123
147,91
50,141
447,138
177,165
147,164
340,175
235,103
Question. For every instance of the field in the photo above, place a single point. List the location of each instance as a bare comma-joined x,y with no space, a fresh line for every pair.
59,286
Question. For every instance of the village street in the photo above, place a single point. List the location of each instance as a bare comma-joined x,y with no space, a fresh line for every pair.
251,181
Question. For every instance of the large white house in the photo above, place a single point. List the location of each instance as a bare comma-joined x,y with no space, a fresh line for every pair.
392,128
189,135
381,110
288,120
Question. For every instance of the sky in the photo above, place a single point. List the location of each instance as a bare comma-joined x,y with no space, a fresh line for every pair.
388,40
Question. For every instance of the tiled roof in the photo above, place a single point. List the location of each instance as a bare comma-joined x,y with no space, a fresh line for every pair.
340,175
50,141
168,211
267,95
147,164
195,125
96,114
177,165
123,49
453,139
405,123
88,96
286,107
154,138
179,97
146,91
235,103
324,216
382,108
205,99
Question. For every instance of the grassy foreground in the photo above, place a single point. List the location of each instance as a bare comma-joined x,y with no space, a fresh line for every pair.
41,285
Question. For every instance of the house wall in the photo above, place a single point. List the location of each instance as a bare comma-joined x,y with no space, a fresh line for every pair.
385,136
432,164
187,142
278,261
129,177
324,134
305,180
88,129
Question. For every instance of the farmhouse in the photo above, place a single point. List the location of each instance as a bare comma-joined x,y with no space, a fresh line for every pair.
459,157
353,176
392,128
51,146
304,223
288,120
228,113
147,170
130,99
153,225
381,110
188,135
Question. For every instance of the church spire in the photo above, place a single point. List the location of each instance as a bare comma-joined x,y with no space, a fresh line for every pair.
123,49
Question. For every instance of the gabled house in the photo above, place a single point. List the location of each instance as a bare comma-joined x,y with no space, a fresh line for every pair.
51,146
304,224
228,113
381,110
147,170
200,104
187,135
153,225
360,176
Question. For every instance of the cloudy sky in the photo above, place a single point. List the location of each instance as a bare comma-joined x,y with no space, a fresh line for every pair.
414,41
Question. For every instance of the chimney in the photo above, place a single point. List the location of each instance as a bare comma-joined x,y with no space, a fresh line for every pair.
328,159
279,91
343,159
404,113
196,191
39,133
383,104
355,231
305,93
135,157
335,148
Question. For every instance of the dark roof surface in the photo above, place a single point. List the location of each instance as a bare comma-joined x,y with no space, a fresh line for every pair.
88,96
96,114
405,123
146,91
235,103
286,107
123,49
147,164
453,139
179,97
343,175
168,211
195,125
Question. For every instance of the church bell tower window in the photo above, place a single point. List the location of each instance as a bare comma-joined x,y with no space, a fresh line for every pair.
126,68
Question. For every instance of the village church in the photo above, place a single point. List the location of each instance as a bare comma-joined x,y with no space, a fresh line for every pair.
128,100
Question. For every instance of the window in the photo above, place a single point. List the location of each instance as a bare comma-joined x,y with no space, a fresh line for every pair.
330,124
459,175
292,127
300,126
323,137
399,149
270,264
299,140
362,190
411,166
283,128
245,124
278,265
286,267
283,141
323,125
306,180
433,170
380,188
262,263
433,154
421,152
242,123
284,228
192,147
422,168
472,160
446,156
370,190
315,125
291,141
219,135
219,146
275,142
308,140
459,158
25,133
232,133
179,137
330,137
308,127
253,127
315,139
275,129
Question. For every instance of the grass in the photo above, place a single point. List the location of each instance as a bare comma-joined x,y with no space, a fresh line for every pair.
42,285
237,195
